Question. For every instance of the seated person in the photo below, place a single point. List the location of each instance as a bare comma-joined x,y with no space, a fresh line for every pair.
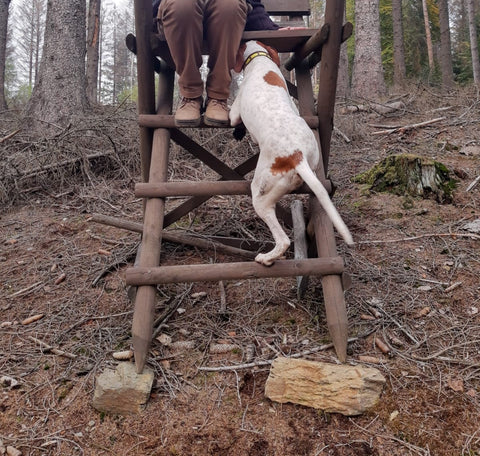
185,25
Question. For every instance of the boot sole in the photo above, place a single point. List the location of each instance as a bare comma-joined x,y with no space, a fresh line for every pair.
216,123
188,123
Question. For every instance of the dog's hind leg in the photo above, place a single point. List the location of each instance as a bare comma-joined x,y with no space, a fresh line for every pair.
264,206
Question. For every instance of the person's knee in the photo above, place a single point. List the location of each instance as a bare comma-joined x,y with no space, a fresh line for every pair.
231,9
178,9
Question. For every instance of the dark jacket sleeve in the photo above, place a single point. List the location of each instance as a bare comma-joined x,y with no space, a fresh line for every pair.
258,18
155,4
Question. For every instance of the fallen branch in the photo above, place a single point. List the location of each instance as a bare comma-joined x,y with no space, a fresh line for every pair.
26,290
414,238
408,127
54,166
452,287
269,361
49,348
175,237
123,259
11,135
342,134
223,298
473,184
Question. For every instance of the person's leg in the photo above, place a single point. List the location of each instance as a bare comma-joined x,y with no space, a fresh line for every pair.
224,25
182,22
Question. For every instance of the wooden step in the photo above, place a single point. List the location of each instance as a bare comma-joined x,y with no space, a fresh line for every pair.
233,271
168,121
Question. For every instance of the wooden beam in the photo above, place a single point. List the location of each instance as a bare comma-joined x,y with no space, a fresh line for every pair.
202,188
287,7
314,43
176,237
168,121
232,271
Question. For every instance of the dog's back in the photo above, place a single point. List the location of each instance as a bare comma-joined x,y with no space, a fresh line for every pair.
288,148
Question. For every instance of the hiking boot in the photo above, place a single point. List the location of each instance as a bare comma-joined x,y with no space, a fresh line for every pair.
216,114
188,113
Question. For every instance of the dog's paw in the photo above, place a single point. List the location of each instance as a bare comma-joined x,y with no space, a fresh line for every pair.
264,259
239,132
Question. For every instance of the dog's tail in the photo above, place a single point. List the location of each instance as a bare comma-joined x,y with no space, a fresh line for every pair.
309,177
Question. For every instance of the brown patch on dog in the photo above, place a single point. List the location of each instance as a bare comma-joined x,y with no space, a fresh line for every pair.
272,52
283,165
274,79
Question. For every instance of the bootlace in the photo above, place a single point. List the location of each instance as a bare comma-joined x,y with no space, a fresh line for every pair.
220,103
187,101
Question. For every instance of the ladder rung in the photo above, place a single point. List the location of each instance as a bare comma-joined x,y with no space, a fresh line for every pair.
233,271
201,188
168,121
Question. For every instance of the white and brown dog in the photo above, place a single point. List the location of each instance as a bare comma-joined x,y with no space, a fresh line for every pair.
288,148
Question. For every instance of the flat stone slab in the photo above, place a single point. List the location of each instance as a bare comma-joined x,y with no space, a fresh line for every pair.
473,227
349,390
122,391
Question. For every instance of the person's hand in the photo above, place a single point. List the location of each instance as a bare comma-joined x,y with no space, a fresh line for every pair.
292,28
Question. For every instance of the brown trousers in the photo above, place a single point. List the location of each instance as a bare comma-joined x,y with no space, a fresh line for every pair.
186,23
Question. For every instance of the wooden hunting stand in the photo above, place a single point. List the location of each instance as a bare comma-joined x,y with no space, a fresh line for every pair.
308,47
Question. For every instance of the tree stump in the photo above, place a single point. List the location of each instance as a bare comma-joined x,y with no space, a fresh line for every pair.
408,174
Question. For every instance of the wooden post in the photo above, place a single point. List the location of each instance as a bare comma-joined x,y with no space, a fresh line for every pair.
300,243
324,235
145,77
325,238
156,163
328,74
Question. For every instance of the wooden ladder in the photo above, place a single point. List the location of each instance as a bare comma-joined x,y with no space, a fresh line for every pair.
308,47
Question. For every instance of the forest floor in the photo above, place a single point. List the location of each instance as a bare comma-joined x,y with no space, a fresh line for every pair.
415,284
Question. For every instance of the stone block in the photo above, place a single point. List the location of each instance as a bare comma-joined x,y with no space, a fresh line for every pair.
122,391
349,390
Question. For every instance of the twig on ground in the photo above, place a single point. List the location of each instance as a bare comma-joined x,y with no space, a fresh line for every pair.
473,184
11,135
408,127
269,361
423,236
223,299
49,348
26,290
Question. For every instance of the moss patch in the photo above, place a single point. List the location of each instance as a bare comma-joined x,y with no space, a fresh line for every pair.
408,174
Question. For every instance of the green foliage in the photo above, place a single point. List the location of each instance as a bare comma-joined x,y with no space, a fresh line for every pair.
21,97
462,67
386,33
128,94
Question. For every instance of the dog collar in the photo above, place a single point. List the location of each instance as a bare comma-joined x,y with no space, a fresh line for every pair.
256,54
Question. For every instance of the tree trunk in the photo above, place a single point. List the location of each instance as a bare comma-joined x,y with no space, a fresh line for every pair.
428,34
60,93
29,37
93,46
473,41
4,4
445,45
39,29
368,79
399,71
342,78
